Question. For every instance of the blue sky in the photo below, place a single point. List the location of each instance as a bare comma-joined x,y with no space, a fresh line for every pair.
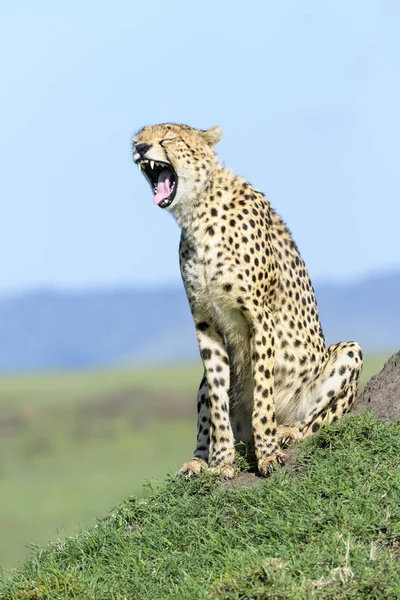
307,93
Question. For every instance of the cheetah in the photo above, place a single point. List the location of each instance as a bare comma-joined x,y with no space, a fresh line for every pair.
268,376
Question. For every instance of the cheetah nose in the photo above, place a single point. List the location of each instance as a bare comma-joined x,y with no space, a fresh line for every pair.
142,149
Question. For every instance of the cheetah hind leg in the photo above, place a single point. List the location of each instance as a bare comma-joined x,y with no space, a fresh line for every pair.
338,386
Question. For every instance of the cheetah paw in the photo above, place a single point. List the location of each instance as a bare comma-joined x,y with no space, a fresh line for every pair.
193,467
287,433
226,471
266,463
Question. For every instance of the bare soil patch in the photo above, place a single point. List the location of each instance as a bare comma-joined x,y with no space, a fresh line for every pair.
242,480
382,394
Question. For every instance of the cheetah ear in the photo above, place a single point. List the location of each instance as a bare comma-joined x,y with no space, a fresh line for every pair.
213,135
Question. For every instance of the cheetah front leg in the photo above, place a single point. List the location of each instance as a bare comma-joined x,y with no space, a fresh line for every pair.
264,419
216,366
200,457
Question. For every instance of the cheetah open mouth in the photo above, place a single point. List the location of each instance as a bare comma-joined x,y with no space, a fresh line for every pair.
162,179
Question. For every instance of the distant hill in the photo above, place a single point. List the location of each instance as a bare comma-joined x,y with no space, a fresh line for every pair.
64,330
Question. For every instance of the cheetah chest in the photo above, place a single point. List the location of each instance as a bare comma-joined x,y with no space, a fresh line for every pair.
206,277
207,281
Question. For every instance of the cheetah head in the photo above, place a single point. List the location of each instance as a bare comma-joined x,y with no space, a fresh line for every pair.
176,160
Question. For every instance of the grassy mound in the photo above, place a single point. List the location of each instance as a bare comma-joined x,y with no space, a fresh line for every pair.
327,527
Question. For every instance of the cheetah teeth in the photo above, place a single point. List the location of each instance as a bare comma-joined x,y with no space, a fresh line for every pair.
152,163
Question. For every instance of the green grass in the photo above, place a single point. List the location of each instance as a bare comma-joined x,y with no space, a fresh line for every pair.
72,445
47,496
328,527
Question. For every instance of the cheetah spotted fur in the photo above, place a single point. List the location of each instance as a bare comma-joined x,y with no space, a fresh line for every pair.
268,376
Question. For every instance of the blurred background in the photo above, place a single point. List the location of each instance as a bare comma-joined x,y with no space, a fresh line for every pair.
98,358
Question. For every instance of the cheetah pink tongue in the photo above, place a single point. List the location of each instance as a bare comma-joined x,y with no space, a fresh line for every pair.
163,186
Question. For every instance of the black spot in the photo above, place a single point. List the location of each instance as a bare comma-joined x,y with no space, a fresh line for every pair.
315,427
227,287
206,354
214,212
263,420
210,230
203,326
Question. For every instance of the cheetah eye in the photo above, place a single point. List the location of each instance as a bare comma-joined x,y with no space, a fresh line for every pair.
166,140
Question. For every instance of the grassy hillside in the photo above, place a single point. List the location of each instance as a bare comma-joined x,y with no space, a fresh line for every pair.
72,445
326,527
